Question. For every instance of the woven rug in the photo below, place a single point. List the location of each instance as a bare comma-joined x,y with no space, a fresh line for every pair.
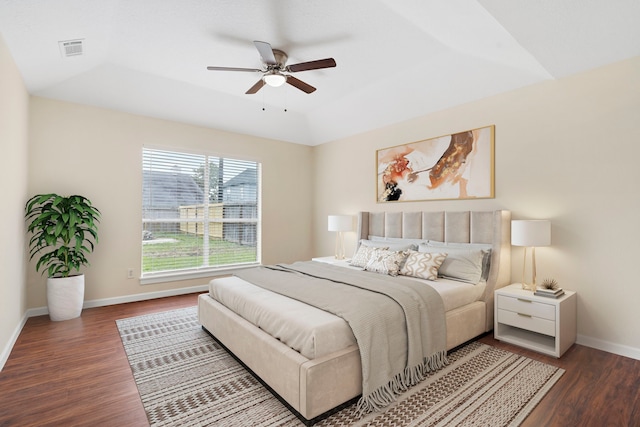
185,378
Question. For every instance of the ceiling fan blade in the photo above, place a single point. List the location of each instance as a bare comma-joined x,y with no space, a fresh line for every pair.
233,69
256,87
266,52
300,84
312,65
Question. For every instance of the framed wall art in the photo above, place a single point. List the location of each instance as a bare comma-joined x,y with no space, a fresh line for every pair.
456,166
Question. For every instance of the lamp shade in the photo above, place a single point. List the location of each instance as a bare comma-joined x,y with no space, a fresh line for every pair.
340,223
534,233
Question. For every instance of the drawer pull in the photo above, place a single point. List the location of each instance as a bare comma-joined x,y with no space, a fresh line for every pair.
524,300
524,315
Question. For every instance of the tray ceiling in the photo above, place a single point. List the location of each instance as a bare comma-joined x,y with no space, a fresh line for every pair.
395,59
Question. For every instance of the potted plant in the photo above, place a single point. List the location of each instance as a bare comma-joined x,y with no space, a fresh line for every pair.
64,232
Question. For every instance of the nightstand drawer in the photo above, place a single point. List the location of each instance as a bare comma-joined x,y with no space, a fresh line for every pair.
528,307
528,322
547,325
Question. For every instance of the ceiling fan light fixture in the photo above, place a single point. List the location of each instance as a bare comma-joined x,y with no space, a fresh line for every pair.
274,66
274,79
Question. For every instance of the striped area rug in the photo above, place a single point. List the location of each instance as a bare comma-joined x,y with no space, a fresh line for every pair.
185,378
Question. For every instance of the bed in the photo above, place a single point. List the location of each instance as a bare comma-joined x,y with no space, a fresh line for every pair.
311,381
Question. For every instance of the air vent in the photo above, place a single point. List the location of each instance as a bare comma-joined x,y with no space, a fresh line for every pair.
70,48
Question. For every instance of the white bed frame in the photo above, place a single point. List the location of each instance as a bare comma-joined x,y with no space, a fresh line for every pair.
312,387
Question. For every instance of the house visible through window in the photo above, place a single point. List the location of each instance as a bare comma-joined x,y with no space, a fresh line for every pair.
199,213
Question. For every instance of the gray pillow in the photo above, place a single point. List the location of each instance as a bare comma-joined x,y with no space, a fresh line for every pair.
415,242
460,264
486,247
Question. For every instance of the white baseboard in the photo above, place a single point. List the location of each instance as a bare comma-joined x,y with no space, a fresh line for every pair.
41,311
6,351
146,296
610,347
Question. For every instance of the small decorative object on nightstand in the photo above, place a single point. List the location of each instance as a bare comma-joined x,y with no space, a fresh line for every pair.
539,323
550,289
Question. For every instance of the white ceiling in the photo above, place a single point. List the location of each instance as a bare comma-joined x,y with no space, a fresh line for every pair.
396,59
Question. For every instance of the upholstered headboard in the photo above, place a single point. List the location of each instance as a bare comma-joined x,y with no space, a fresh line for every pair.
493,227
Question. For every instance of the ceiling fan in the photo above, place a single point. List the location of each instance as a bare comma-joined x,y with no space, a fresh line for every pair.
275,72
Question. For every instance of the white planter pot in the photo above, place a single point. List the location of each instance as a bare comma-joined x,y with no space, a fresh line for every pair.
65,296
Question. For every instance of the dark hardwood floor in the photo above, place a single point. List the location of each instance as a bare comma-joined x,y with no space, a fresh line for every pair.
598,389
75,373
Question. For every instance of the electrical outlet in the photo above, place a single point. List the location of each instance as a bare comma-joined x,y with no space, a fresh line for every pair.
130,273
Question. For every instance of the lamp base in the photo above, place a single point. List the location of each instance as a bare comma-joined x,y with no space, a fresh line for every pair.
339,246
529,287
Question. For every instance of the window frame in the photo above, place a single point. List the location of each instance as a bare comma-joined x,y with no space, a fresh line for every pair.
203,271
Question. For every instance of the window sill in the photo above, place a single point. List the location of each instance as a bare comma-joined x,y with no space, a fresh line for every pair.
151,278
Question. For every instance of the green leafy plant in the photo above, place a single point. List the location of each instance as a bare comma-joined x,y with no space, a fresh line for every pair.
64,230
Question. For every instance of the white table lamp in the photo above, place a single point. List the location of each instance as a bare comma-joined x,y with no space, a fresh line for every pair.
530,233
340,224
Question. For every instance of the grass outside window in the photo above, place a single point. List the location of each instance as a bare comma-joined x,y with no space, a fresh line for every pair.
172,251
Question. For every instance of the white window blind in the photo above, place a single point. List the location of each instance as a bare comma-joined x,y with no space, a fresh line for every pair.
199,212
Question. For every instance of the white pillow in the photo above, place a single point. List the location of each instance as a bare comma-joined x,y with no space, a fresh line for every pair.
422,265
384,261
392,246
460,264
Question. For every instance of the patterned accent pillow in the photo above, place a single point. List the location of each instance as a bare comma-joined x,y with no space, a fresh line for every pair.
423,265
384,261
362,256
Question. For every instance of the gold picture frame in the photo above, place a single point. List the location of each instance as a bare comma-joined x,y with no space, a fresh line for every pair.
459,166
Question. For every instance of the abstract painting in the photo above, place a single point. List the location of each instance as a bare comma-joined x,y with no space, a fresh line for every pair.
456,166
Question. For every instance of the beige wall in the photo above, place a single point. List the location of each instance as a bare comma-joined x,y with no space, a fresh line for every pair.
567,150
14,103
97,153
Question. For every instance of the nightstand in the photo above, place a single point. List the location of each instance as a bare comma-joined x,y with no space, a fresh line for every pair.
543,324
329,259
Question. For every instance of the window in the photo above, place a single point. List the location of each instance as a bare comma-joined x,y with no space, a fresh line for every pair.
200,213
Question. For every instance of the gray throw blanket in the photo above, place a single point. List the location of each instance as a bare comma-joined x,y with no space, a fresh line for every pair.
399,324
